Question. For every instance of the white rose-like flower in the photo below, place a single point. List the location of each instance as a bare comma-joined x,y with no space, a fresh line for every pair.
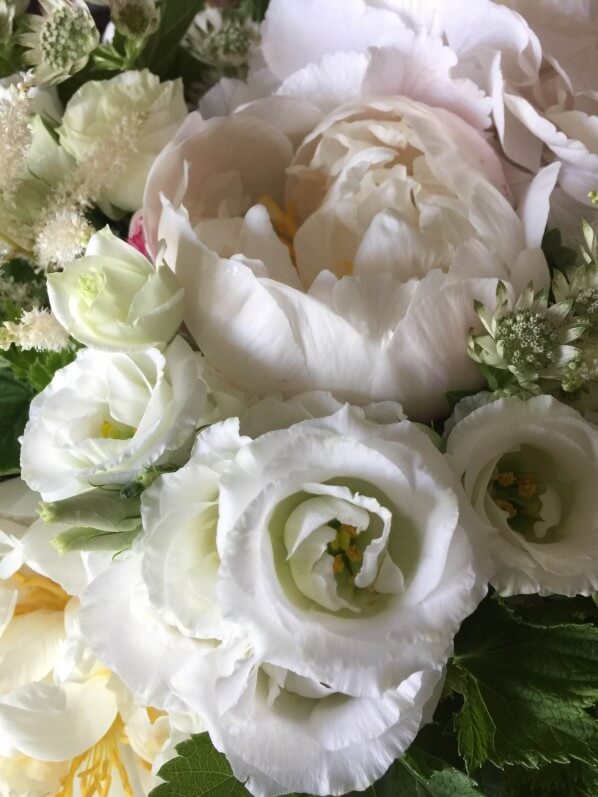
160,625
530,469
114,299
345,560
107,416
154,111
365,285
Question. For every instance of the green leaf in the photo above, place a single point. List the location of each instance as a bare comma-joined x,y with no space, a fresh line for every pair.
14,409
558,257
201,770
526,690
35,369
424,775
161,49
198,770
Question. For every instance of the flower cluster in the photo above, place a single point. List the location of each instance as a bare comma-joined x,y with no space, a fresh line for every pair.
294,385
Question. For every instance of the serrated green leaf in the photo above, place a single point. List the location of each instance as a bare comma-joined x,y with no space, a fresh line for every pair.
161,49
14,409
199,770
533,683
474,725
36,369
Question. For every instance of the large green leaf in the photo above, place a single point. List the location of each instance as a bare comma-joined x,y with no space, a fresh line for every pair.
14,409
526,690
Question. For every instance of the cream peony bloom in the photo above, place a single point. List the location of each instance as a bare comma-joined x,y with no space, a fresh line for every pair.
365,284
107,416
145,111
66,724
114,299
529,65
530,469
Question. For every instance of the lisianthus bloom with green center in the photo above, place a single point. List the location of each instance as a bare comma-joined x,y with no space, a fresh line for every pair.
530,469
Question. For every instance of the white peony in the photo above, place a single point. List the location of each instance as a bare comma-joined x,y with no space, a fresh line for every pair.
107,416
347,567
64,719
114,299
530,67
142,108
530,469
365,284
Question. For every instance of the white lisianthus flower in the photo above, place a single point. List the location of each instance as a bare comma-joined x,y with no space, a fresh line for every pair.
154,110
346,563
107,416
114,299
530,469
159,624
365,285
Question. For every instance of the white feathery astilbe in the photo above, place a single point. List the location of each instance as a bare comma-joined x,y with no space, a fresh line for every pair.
15,136
63,231
62,238
37,329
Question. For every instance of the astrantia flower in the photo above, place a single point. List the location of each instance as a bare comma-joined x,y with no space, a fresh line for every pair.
530,469
530,339
364,248
135,19
60,40
115,299
15,136
106,417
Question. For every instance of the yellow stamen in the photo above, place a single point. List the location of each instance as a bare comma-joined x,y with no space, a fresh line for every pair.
354,553
154,714
527,486
338,565
284,222
346,268
506,506
111,431
38,592
94,768
505,479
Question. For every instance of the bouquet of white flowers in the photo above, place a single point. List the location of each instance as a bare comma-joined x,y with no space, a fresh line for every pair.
299,398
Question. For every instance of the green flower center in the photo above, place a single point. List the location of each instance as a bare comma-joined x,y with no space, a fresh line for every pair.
68,36
532,506
528,340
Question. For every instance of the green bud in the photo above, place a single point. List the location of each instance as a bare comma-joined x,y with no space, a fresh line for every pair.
101,509
88,539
